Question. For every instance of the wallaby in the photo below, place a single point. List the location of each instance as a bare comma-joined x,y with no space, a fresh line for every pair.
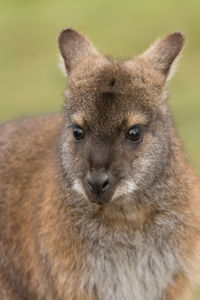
99,202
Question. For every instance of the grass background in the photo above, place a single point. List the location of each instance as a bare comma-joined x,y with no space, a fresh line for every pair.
31,83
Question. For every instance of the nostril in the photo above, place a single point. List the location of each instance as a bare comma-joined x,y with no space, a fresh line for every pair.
90,185
106,185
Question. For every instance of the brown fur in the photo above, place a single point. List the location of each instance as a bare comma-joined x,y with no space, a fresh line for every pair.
50,232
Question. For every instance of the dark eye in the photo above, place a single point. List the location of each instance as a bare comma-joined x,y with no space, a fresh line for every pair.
78,133
135,134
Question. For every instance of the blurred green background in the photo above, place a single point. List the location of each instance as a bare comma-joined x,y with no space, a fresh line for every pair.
31,83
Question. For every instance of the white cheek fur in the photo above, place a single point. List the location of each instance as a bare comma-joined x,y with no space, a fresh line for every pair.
127,188
78,187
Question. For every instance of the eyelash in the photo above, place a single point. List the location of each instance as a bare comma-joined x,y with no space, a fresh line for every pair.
73,126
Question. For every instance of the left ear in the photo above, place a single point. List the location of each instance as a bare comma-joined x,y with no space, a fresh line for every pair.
164,51
74,47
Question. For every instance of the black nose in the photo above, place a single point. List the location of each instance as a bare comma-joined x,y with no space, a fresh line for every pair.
98,182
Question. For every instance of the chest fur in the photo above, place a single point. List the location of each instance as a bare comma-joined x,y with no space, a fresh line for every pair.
132,271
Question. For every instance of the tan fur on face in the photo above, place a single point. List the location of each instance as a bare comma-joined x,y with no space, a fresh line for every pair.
137,119
78,118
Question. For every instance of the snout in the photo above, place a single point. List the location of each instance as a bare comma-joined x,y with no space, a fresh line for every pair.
99,184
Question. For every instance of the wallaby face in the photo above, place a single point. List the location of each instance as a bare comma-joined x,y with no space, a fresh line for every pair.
118,130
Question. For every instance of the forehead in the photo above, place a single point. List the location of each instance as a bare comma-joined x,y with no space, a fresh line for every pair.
105,93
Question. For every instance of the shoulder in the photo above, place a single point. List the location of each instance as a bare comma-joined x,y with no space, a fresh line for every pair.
30,125
28,140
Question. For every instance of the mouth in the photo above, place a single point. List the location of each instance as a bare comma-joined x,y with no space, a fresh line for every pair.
100,200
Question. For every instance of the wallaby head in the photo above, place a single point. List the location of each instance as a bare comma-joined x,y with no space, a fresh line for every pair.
118,134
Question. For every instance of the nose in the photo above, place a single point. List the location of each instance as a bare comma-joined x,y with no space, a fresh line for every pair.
98,182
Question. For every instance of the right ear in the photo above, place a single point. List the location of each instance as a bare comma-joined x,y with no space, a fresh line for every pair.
74,47
164,51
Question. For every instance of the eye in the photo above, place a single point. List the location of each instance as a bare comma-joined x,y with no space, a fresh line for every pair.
78,133
135,134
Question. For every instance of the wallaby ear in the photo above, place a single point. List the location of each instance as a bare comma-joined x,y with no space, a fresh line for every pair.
74,47
164,51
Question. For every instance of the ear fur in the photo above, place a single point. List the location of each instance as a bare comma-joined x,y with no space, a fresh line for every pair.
164,52
74,47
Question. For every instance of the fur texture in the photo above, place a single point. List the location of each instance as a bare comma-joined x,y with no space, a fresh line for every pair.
56,240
